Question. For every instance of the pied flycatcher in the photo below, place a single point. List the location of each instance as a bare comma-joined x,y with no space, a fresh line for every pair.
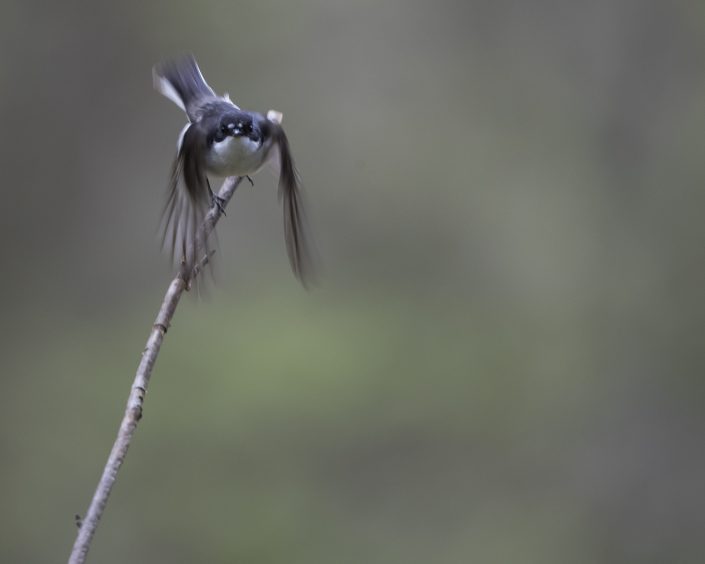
222,140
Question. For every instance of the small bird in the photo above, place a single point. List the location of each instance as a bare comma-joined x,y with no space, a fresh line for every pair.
222,140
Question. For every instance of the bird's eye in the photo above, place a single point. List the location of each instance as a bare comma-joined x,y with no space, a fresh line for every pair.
221,133
248,128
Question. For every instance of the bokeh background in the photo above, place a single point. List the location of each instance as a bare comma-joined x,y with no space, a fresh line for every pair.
504,359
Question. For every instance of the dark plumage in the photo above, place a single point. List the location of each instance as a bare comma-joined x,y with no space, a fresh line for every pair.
223,140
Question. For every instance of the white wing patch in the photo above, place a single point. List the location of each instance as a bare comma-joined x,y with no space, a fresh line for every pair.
275,116
274,161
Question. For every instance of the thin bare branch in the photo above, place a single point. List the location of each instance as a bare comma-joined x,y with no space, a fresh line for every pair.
135,401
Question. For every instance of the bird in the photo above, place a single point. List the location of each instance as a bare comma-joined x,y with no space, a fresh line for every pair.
222,140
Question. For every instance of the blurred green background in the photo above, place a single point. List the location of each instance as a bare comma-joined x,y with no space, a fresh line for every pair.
504,360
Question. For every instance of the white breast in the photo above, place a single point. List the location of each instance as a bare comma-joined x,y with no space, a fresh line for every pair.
235,156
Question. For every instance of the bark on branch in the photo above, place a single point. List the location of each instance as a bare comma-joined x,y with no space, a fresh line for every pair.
133,410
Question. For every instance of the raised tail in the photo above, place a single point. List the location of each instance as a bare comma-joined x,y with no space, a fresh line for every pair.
181,81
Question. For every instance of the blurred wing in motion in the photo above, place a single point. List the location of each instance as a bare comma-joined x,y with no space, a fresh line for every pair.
297,246
188,200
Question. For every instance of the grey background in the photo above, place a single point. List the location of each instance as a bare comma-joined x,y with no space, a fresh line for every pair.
504,359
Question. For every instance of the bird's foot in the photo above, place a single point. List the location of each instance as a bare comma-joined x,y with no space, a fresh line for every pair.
252,182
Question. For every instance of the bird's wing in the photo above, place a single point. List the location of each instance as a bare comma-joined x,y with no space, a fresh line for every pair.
188,199
297,244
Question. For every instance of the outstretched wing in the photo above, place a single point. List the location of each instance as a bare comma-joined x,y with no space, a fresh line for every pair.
297,246
188,200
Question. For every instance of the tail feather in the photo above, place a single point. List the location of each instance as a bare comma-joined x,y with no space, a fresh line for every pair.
181,81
